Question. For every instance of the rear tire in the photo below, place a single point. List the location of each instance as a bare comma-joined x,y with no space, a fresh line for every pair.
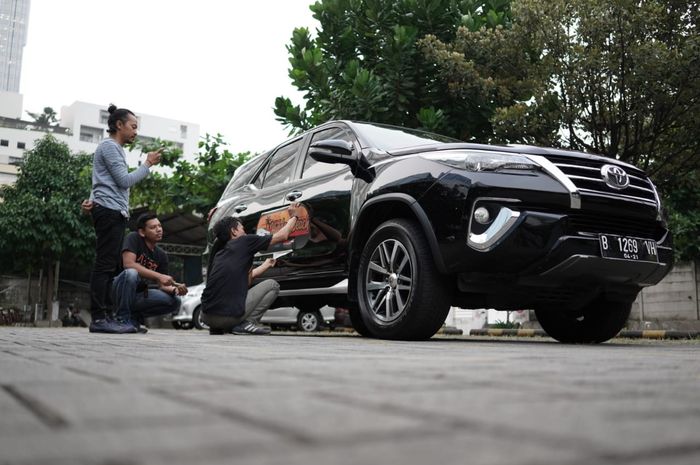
597,322
400,291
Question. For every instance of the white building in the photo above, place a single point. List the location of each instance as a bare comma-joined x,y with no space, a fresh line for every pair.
82,127
87,124
14,17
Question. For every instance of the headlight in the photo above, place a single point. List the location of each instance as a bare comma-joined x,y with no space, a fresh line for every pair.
483,161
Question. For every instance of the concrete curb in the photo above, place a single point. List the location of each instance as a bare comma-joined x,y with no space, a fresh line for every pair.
646,334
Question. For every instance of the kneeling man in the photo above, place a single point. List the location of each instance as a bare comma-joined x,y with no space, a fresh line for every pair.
144,288
227,303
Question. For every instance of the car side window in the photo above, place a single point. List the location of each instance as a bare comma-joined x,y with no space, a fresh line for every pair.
244,174
280,169
315,168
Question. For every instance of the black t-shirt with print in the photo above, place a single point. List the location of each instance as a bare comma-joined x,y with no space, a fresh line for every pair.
155,260
227,282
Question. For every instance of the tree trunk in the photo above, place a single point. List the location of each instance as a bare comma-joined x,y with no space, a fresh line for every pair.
29,288
49,289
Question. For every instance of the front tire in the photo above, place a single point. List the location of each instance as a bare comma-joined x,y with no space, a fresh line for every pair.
401,293
197,319
596,322
309,321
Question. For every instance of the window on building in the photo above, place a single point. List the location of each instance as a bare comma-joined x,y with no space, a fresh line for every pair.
90,134
4,143
183,131
104,116
14,160
21,145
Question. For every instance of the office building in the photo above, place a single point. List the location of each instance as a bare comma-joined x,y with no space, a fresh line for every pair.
14,19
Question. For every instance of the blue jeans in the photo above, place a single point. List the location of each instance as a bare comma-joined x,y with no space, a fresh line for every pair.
133,305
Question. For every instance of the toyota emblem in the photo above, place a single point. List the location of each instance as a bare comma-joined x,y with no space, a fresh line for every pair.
615,177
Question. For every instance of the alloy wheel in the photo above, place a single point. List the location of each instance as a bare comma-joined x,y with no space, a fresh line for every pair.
389,281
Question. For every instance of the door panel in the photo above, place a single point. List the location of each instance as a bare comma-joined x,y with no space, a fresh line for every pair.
324,193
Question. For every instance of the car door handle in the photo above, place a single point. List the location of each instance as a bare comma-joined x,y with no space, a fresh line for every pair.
240,208
292,196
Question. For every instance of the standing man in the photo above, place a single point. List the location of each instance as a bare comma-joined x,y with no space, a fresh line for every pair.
144,288
109,207
227,303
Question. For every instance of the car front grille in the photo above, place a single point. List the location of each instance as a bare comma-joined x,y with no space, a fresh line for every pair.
587,177
596,224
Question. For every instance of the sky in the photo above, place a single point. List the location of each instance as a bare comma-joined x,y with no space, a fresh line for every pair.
217,63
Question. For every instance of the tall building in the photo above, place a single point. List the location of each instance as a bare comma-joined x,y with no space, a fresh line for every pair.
14,18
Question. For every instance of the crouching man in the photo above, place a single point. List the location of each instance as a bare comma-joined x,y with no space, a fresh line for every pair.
144,288
228,306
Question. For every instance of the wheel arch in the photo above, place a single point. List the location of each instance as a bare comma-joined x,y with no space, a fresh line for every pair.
376,211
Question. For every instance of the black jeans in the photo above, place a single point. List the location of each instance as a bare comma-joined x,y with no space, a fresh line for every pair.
109,229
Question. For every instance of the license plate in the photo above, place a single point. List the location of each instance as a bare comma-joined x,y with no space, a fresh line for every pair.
628,248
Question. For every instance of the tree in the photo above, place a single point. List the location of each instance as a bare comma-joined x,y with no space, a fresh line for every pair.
40,219
365,64
621,79
45,119
190,187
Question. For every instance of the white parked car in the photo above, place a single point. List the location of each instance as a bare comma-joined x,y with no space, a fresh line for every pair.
190,314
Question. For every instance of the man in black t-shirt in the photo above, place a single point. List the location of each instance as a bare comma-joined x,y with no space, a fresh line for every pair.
144,288
227,303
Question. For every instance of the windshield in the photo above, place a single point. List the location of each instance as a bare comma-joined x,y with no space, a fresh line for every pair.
393,138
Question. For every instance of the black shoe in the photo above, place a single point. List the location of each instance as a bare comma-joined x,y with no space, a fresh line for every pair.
216,332
111,327
138,328
248,327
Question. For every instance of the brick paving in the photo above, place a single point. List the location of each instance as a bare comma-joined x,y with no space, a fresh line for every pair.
184,397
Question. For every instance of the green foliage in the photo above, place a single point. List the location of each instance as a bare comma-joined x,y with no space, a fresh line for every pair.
40,218
500,324
45,119
189,187
365,64
683,207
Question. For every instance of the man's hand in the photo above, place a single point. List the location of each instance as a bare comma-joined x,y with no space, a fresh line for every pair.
164,280
270,263
86,207
293,209
153,158
181,288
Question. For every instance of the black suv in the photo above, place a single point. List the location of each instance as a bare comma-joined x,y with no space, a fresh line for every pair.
399,225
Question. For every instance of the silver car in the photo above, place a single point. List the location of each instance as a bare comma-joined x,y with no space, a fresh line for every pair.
190,314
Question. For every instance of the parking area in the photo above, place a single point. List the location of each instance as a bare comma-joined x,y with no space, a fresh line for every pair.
184,397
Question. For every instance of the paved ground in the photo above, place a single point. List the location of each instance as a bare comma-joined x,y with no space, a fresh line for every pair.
183,397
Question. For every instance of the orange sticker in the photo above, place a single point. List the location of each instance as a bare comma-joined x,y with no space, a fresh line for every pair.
275,220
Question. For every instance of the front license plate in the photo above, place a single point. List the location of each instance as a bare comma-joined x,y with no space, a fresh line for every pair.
628,248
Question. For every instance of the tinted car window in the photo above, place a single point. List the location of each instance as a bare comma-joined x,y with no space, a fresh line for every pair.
389,138
244,174
315,168
281,167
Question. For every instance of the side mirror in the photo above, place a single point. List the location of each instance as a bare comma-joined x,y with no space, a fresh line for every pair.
332,151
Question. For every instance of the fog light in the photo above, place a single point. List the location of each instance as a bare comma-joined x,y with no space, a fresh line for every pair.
481,215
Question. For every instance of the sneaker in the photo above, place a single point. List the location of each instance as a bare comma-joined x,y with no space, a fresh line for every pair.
111,327
138,326
248,327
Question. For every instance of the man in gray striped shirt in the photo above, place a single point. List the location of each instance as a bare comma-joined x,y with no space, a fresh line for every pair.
109,207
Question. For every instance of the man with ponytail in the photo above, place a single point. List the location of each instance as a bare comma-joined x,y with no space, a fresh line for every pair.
109,207
228,305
